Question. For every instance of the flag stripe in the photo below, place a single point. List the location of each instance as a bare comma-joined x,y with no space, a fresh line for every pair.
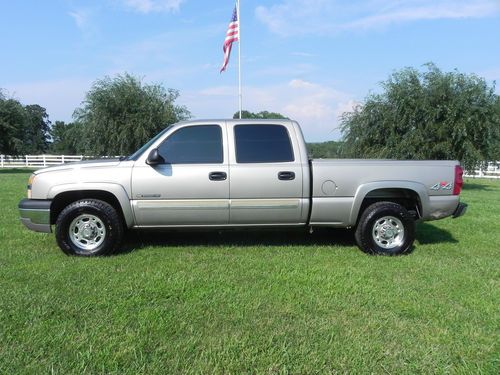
232,35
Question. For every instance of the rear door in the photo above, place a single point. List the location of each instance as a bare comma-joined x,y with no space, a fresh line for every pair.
265,174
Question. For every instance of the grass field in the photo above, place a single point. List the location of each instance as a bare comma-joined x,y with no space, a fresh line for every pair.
251,302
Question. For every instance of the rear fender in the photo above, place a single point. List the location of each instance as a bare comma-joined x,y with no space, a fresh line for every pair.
364,189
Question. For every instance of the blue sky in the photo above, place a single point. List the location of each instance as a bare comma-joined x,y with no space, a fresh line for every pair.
308,59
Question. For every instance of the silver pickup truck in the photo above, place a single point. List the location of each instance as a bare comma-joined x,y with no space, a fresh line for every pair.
238,173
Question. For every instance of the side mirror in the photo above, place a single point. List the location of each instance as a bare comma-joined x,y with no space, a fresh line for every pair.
154,158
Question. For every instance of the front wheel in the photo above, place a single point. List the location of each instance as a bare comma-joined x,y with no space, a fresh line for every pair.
385,228
89,227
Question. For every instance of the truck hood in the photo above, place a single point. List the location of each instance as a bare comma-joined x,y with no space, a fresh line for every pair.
101,163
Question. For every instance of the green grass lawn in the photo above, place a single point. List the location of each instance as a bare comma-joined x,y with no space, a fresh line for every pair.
252,302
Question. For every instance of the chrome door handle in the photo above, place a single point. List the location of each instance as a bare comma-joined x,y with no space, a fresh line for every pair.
286,175
217,176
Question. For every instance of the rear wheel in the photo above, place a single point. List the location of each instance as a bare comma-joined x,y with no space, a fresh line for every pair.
385,228
89,227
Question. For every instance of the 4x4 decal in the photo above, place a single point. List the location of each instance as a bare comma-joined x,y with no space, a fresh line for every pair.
443,185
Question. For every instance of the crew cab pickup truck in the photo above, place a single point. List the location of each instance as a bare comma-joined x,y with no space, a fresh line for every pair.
219,174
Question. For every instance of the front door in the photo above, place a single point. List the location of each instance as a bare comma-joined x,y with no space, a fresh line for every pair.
191,187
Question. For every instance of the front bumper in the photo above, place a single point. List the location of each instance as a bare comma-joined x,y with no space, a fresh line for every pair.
35,214
460,211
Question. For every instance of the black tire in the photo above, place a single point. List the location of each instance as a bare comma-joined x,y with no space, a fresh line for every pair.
377,233
89,227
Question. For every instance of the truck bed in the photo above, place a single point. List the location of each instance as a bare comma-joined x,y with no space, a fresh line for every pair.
340,185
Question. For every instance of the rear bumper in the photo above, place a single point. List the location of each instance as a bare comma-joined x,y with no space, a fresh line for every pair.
460,211
35,214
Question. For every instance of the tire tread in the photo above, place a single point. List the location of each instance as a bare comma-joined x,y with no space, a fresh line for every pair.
363,235
111,214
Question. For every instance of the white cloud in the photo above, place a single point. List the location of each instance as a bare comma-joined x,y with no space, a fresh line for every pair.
60,98
294,16
150,6
84,19
320,17
301,84
302,54
316,107
81,18
492,74
163,50
427,11
286,71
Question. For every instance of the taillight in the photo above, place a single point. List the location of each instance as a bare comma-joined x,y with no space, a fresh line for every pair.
459,181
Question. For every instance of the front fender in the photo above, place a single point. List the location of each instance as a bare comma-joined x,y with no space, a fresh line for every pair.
364,189
117,190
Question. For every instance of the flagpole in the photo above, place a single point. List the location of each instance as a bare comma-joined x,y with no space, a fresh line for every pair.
239,55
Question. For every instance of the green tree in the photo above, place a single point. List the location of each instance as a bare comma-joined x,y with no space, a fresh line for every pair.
259,115
58,138
12,120
120,114
23,130
496,143
66,138
426,114
36,130
325,150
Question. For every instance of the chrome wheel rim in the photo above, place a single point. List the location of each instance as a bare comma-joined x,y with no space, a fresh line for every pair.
388,232
87,232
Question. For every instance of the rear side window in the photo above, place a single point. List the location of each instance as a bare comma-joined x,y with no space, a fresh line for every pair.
193,145
262,144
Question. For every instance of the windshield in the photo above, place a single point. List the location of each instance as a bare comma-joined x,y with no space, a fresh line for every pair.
140,151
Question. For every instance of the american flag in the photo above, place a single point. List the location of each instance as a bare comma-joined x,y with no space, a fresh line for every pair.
232,35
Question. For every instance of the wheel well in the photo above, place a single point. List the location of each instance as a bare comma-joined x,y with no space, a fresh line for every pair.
407,198
62,200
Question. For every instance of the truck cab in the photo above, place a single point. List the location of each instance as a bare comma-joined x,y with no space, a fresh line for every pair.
222,173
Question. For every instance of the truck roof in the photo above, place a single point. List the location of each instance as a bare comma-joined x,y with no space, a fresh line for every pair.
236,121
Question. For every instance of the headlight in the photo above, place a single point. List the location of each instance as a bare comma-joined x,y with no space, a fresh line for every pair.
30,183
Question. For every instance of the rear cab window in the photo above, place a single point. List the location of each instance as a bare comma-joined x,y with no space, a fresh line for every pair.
263,144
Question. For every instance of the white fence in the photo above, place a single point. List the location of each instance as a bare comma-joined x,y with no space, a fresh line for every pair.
491,171
36,161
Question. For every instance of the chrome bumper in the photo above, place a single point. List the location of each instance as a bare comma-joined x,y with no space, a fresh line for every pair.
35,214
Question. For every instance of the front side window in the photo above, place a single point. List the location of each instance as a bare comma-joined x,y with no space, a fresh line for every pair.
193,145
140,151
262,144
